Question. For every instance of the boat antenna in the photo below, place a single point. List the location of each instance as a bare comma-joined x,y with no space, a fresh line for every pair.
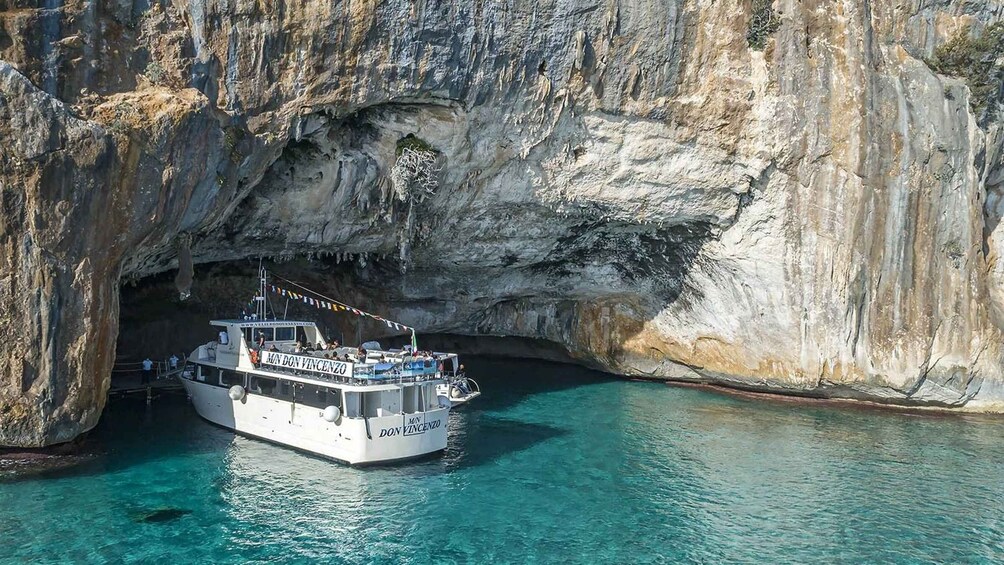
262,305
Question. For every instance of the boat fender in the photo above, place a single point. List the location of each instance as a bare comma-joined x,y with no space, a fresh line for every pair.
332,413
236,392
455,392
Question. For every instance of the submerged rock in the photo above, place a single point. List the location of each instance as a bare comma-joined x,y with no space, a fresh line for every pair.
647,186
160,515
17,466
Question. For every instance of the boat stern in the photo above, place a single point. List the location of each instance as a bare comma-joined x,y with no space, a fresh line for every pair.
401,436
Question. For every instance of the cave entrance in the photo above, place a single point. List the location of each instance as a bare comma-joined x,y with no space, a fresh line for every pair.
156,324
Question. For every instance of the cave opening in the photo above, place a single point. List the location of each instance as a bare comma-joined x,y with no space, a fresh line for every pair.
156,323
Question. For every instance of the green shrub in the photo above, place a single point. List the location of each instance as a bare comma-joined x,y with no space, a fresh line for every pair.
764,21
154,72
415,144
979,60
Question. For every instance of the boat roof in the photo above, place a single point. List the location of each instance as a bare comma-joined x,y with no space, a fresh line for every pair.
262,323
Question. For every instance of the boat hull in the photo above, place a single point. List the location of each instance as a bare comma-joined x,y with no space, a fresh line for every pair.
356,441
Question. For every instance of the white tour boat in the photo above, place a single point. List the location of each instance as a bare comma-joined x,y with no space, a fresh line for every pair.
353,405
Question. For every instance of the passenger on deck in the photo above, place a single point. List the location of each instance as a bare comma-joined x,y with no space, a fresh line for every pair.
298,348
147,371
347,358
261,341
273,348
320,346
174,361
361,353
335,344
224,337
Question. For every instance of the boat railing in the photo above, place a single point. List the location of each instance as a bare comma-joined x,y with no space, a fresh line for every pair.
362,375
459,377
454,376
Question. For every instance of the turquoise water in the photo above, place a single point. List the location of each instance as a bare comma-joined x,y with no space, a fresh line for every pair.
553,464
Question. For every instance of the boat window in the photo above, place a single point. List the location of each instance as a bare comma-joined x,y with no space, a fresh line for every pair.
353,404
283,391
262,385
285,334
251,334
316,396
231,378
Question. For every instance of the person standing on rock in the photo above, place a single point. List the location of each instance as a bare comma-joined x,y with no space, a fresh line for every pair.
147,370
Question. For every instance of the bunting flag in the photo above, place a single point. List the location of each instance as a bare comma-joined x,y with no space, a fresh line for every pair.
339,307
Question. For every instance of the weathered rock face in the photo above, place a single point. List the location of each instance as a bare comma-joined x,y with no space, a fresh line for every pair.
630,180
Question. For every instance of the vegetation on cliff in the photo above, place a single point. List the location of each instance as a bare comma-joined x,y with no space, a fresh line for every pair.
764,21
416,167
979,60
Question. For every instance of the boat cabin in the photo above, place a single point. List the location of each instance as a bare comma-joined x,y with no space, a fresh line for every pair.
236,349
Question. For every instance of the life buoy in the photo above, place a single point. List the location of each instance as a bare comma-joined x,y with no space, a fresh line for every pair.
254,357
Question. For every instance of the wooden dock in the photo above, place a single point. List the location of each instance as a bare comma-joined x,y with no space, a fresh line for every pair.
125,385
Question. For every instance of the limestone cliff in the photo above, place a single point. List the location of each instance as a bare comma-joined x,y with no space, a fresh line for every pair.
779,196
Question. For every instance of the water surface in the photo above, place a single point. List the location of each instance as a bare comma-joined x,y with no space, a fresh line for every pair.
552,464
